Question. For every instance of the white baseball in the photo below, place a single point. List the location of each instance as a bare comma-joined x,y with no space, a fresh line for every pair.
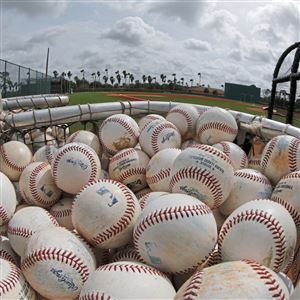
178,222
236,154
143,192
184,117
149,118
261,230
127,280
219,217
37,185
203,172
14,157
216,125
280,157
62,212
6,252
24,223
149,197
248,185
8,199
63,261
104,213
188,143
287,193
159,135
234,280
13,284
19,197
158,174
118,132
88,138
45,154
126,254
129,167
74,166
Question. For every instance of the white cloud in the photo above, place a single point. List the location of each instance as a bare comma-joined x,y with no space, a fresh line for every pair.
36,8
48,35
235,55
194,44
133,31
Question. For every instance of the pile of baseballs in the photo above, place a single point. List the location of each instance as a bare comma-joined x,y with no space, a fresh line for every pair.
166,207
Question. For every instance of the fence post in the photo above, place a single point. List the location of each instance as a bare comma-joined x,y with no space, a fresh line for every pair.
4,78
19,79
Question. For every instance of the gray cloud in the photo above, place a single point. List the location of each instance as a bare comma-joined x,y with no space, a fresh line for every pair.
36,8
47,35
194,44
235,55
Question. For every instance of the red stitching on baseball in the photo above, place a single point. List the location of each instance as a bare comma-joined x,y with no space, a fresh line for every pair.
3,215
11,281
125,254
194,285
252,177
162,174
6,255
265,159
143,200
151,118
71,148
95,296
124,220
168,214
254,162
244,161
202,176
123,154
270,282
131,172
19,231
73,136
270,223
10,164
157,130
49,154
294,212
186,116
61,213
60,255
292,154
216,126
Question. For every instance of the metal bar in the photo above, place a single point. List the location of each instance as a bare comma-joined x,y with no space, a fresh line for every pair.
287,78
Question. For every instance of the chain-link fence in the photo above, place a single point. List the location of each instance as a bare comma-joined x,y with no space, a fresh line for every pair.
16,80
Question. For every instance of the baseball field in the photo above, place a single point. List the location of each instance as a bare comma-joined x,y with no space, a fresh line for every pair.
99,97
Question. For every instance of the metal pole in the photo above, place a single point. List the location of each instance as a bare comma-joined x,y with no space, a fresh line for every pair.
19,79
47,62
4,79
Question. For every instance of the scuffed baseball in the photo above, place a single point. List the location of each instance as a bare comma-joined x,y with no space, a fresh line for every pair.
216,125
159,135
14,158
126,254
261,230
280,157
37,185
248,185
8,199
188,143
118,132
158,172
75,165
149,197
104,213
6,251
127,280
62,212
234,280
149,118
129,167
45,154
178,222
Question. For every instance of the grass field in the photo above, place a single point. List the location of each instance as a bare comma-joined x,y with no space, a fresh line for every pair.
99,97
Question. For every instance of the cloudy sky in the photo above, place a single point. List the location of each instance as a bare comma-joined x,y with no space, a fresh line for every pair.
227,41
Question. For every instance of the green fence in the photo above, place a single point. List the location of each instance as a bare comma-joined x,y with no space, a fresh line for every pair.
16,80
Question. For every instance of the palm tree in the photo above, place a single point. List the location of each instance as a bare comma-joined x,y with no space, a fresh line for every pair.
191,80
163,78
94,77
69,74
118,78
105,78
149,79
131,78
62,81
106,72
199,74
125,75
112,80
144,78
182,80
55,73
98,75
82,71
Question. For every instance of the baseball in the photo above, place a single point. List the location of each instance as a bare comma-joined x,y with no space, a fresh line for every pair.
149,118
6,252
234,280
188,143
8,199
12,283
41,140
118,132
127,280
236,154
45,154
129,167
19,197
37,185
178,222
280,157
287,193
104,213
149,197
184,117
63,261
74,166
255,153
216,125
88,138
158,174
62,212
159,135
24,223
248,185
261,230
140,194
14,157
126,254
203,172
